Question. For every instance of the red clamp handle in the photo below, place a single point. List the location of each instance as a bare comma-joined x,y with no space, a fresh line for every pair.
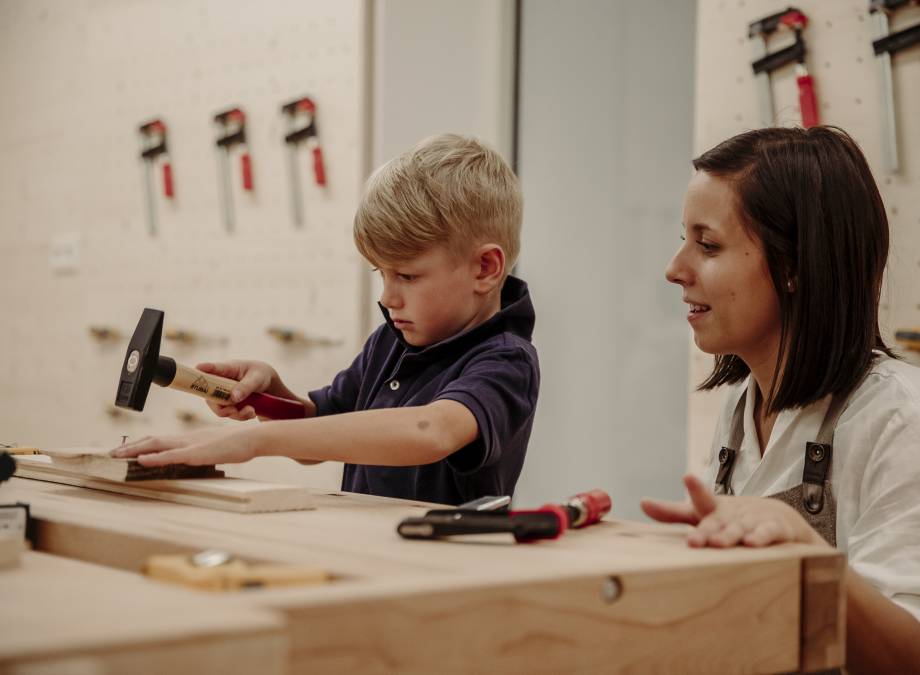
274,407
246,165
807,101
319,169
167,180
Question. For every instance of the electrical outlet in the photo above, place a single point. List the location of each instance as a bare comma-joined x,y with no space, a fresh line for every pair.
65,253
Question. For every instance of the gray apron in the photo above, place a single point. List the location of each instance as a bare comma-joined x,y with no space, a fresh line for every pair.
813,498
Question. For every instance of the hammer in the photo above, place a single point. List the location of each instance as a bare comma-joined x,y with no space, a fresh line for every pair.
143,365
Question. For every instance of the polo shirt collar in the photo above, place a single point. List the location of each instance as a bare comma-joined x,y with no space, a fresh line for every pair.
516,316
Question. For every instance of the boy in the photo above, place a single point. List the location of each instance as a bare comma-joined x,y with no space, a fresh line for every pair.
439,404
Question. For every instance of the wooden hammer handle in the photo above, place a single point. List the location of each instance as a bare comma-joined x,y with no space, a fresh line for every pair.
217,389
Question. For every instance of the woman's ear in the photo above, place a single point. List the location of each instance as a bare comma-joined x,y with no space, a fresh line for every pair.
490,267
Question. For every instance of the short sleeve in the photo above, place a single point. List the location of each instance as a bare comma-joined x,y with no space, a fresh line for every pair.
883,545
342,395
500,389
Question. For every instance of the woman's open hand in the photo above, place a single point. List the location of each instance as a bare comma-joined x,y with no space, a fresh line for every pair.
722,521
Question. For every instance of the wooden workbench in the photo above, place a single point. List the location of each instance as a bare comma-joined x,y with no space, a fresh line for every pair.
615,597
62,616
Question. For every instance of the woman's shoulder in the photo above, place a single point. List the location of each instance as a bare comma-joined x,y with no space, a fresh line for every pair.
891,387
892,379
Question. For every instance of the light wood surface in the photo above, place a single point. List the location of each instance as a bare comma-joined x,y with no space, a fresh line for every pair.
226,494
484,603
97,463
63,616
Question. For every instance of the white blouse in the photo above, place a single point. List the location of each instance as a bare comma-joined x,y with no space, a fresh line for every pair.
875,471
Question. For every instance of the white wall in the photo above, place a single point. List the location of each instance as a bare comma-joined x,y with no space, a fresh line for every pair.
77,78
840,58
606,123
440,66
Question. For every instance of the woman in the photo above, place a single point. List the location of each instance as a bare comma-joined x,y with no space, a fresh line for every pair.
785,245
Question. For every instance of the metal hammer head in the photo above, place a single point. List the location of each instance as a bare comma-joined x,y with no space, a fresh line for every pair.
141,361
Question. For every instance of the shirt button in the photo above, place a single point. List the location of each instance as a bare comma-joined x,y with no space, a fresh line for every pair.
394,384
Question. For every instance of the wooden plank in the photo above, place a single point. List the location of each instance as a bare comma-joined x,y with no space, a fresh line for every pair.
63,616
823,613
97,462
225,494
692,621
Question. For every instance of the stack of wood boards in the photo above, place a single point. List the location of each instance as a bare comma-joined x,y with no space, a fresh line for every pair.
80,467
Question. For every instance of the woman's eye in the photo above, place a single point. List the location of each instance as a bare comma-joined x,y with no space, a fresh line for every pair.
408,277
707,247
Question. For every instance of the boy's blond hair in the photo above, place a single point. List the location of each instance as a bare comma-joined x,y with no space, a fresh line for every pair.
448,190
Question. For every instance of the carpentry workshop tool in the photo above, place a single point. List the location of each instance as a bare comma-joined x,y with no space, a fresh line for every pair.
301,126
153,144
293,336
231,131
214,570
7,466
910,338
14,449
547,522
885,45
144,364
765,63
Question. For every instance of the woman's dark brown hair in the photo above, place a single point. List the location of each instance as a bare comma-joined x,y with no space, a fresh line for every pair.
809,197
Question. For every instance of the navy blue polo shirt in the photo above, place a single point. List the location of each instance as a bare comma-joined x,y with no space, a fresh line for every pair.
492,369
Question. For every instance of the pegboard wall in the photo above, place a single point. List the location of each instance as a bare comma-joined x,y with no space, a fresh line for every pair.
849,91
78,78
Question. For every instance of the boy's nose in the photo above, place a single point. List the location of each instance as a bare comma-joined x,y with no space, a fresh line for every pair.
389,298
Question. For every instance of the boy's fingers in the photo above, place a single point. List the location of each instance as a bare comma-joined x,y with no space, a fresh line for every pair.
669,512
702,498
167,457
231,370
139,447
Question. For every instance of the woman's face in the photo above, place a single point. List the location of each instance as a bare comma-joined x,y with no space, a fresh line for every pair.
724,275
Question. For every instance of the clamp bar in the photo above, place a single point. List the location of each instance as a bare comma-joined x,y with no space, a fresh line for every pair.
792,54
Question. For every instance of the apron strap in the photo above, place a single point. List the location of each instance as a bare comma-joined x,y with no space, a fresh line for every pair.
817,454
728,454
818,457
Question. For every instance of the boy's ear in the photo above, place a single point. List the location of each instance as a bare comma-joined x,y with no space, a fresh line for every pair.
490,267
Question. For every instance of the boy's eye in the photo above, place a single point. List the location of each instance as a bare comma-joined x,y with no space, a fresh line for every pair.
407,277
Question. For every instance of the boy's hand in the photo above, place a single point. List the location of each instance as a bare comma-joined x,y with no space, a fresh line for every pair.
253,376
195,448
722,521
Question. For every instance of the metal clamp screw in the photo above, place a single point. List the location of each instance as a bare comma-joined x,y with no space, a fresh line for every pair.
611,590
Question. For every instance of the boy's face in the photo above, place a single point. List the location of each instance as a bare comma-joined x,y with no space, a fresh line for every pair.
433,296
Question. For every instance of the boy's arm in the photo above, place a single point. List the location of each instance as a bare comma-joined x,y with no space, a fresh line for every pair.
386,437
406,436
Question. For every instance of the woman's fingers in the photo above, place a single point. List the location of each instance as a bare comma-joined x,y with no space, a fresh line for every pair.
702,498
670,512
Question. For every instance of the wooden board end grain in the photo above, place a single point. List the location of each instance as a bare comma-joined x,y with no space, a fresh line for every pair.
226,494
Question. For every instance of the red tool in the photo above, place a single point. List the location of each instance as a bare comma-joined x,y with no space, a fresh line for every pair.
765,63
547,522
153,144
231,131
301,122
